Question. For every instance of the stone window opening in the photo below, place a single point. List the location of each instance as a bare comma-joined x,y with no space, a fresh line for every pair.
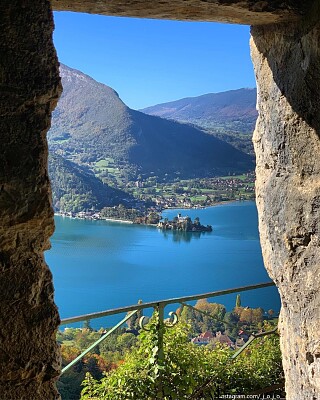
285,51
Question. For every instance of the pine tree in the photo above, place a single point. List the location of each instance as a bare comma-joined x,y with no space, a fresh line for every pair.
86,325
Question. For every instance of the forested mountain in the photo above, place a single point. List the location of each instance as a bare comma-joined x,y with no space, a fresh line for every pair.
74,188
229,115
234,108
91,124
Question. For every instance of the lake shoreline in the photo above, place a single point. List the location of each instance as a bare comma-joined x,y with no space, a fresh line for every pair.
218,203
122,221
96,216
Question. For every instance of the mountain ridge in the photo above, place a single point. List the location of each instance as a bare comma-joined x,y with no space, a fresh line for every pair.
232,104
91,123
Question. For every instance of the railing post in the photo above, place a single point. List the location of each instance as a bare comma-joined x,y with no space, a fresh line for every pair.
160,357
161,332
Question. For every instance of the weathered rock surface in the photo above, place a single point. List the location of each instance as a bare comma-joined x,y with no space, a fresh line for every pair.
250,12
287,145
30,85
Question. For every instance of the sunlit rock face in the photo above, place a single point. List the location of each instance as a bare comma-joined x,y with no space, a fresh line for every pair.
287,145
286,58
30,84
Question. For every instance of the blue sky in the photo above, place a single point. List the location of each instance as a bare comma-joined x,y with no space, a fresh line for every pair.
153,61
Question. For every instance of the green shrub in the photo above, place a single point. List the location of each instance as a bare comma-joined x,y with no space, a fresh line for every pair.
184,367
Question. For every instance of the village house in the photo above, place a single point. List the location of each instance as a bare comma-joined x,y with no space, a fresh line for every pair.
223,339
203,339
208,337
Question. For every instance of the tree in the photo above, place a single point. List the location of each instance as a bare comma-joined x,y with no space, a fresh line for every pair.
200,322
92,366
231,326
86,325
270,312
238,301
197,221
257,315
68,353
251,315
153,218
246,315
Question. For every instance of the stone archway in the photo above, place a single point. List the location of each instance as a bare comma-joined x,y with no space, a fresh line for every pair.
285,52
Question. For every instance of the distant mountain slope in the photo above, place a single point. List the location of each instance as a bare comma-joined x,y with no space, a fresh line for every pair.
229,116
170,147
76,189
90,118
91,123
234,108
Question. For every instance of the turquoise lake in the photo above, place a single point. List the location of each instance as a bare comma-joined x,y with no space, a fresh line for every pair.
99,265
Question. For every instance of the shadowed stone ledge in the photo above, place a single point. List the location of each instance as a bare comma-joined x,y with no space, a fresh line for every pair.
248,12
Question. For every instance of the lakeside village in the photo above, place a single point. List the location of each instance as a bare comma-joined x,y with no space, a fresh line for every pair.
150,198
152,218
134,216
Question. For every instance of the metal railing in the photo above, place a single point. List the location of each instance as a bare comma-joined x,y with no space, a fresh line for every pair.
175,300
159,307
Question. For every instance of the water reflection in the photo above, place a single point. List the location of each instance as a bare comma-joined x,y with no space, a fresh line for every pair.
182,236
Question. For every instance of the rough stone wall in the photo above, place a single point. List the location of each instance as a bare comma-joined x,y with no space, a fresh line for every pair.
287,145
29,88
